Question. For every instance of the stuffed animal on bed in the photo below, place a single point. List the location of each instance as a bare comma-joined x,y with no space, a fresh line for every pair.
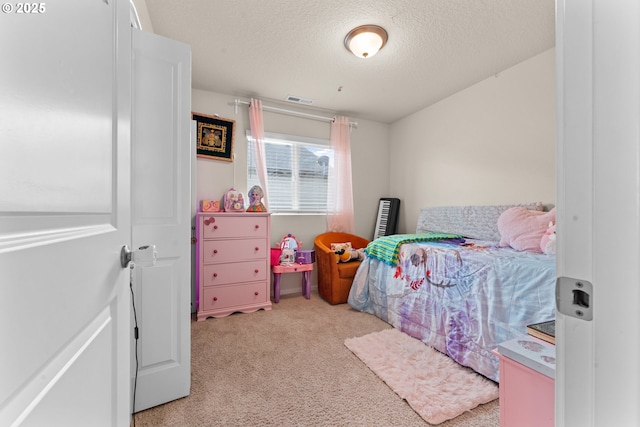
548,241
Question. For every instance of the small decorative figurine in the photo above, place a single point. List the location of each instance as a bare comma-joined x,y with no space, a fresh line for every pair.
233,201
255,200
210,206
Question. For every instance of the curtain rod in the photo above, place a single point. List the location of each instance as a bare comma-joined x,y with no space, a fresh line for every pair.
291,112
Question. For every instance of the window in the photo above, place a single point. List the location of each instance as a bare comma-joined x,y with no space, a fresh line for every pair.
297,172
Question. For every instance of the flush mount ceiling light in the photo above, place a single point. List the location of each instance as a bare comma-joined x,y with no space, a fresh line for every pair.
366,40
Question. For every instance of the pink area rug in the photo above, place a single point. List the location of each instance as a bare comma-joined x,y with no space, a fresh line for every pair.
435,386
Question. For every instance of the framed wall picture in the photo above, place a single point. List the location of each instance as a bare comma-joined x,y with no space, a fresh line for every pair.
214,137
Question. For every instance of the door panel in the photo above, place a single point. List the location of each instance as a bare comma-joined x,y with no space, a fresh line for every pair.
599,214
162,157
91,345
52,105
64,214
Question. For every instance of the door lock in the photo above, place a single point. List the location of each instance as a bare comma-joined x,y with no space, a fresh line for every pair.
574,298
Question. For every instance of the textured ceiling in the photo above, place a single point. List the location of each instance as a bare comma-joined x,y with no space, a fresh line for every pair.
274,48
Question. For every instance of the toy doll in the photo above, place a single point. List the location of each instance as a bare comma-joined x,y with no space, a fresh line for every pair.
255,200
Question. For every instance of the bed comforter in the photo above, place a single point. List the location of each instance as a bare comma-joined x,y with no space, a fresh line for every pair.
462,297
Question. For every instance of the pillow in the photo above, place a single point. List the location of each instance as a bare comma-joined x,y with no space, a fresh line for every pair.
474,222
522,229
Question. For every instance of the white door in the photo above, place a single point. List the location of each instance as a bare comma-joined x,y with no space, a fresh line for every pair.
161,216
598,375
64,213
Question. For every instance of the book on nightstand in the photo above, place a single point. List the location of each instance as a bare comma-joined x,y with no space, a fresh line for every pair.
545,331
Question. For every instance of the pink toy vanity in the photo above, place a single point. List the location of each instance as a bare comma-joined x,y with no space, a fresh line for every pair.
290,258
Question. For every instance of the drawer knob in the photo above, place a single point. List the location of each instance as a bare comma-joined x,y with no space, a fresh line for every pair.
257,226
257,249
215,298
256,271
256,293
215,251
215,227
215,274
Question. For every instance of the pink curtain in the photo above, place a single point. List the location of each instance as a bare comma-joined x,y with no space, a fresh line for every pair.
257,132
340,201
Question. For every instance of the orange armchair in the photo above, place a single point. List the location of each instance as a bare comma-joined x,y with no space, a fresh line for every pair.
335,279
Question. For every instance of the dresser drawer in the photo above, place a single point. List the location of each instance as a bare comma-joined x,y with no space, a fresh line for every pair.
216,227
217,251
220,297
235,272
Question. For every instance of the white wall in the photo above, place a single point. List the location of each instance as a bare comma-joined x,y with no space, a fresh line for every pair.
491,143
369,151
143,15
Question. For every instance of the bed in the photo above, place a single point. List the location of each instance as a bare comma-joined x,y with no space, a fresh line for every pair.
458,284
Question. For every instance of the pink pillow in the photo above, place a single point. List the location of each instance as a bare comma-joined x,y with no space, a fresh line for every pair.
523,229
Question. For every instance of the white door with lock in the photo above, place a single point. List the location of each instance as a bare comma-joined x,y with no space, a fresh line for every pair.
65,107
162,155
597,376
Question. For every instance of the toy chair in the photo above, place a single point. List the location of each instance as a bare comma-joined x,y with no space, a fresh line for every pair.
335,279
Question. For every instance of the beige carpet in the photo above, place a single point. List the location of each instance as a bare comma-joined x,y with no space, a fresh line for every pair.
435,386
289,367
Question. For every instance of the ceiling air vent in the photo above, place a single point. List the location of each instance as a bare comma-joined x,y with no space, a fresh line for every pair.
299,100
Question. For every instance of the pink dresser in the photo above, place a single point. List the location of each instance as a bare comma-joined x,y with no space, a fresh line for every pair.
232,270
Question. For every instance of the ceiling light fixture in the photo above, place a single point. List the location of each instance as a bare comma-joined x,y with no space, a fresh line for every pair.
366,40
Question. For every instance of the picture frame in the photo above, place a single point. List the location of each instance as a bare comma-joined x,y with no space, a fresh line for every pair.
214,137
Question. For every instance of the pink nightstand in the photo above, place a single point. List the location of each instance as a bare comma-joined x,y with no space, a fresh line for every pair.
305,269
527,386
